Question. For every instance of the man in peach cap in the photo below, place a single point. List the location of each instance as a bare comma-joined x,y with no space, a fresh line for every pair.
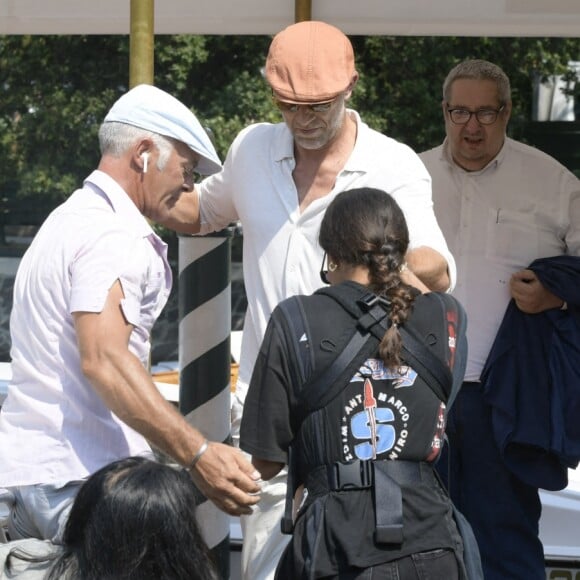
278,179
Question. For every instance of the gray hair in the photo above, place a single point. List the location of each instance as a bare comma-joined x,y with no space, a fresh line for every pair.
115,138
479,70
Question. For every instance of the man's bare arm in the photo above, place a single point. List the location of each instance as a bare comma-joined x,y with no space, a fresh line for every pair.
222,473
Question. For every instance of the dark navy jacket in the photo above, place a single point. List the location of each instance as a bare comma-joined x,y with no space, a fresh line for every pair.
531,379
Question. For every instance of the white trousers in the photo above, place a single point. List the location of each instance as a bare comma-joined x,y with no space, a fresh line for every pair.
263,542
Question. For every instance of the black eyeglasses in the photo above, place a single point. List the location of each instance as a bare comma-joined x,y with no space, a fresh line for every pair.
293,107
484,116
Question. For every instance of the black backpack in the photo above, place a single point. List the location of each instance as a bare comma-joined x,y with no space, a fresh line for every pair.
316,389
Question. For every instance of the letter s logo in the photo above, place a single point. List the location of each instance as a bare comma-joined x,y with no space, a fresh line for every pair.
385,433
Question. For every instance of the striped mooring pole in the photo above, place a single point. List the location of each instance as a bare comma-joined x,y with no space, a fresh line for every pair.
204,294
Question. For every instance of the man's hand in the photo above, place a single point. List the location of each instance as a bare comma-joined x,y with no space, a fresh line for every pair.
184,216
529,294
430,267
228,479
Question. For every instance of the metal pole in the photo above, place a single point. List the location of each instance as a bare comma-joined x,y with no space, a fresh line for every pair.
141,43
204,360
302,10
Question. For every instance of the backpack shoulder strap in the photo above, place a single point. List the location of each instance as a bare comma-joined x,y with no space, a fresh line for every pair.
430,367
451,317
325,387
456,320
293,313
298,338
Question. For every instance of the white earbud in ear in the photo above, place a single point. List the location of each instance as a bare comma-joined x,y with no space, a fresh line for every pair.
145,157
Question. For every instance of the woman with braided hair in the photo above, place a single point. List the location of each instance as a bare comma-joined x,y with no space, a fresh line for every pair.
365,237
343,392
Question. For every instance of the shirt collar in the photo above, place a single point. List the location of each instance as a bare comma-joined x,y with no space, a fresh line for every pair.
120,201
284,145
495,162
359,159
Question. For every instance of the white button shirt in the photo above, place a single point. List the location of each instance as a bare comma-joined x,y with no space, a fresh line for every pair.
523,205
281,254
54,427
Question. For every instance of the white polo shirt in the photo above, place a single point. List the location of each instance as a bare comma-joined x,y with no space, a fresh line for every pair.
53,426
523,205
280,252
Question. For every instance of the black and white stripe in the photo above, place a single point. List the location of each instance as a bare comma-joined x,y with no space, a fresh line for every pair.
204,359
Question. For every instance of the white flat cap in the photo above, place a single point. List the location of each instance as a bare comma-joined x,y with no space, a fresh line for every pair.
154,110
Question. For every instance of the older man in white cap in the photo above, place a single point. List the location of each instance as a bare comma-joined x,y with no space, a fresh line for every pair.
86,295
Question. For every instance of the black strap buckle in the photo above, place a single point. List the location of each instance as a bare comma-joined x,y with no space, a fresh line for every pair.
350,476
286,525
370,299
376,310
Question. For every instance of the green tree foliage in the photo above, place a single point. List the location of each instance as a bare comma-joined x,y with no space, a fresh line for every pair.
55,90
224,86
400,91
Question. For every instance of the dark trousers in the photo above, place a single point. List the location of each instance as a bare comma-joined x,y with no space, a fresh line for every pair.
503,512
433,565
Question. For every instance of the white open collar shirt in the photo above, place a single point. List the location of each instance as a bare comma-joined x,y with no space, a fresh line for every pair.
53,426
281,254
523,205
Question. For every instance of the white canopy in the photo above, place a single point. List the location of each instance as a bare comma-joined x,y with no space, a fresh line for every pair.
362,17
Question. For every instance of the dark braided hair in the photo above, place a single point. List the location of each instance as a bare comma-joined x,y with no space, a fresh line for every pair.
366,227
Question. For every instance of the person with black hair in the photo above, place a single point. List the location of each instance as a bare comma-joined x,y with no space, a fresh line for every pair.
133,519
364,450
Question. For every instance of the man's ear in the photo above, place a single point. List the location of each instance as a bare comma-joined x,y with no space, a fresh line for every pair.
145,158
141,154
507,111
351,86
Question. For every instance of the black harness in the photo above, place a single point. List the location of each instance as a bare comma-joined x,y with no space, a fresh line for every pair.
317,390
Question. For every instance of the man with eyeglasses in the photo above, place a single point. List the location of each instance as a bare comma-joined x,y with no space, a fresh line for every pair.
501,205
278,179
